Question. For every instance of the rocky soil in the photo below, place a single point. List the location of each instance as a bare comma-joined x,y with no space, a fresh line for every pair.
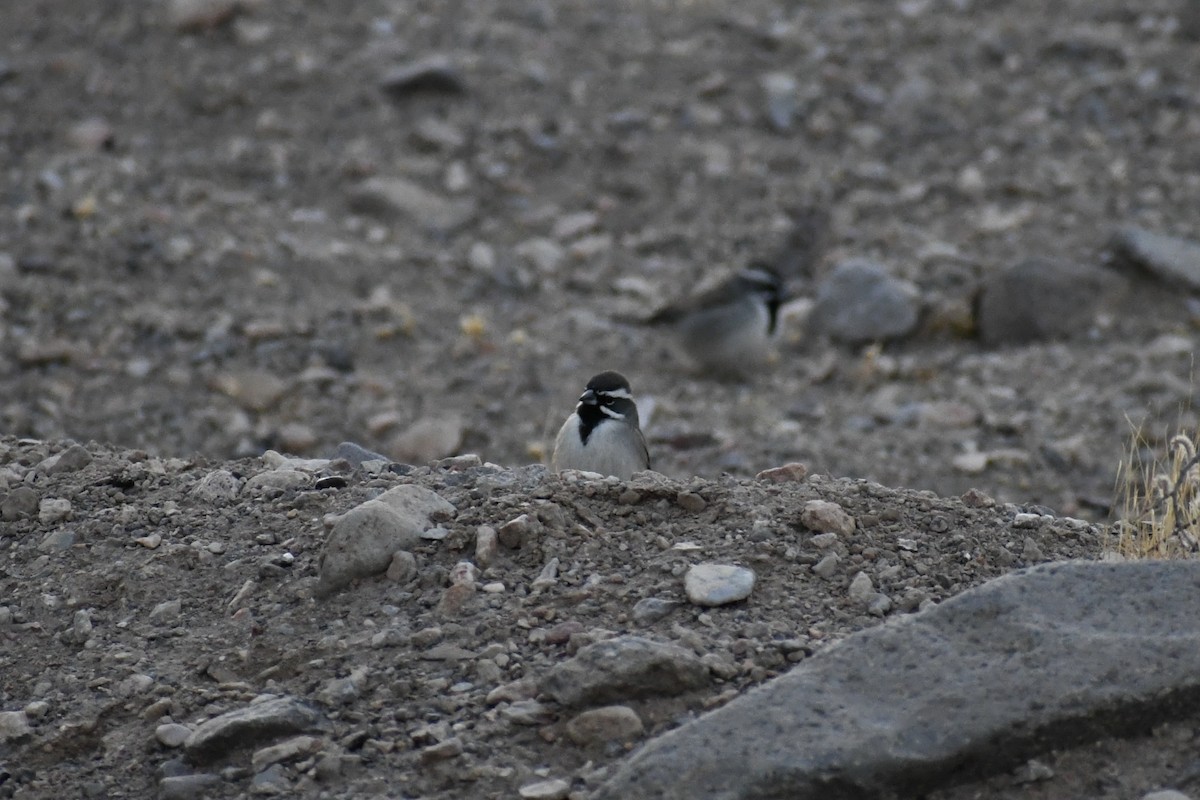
228,227
145,595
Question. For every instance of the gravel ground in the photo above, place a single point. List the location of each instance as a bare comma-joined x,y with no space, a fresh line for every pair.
146,593
233,226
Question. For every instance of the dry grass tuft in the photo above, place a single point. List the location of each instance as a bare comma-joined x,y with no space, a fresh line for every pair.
1159,500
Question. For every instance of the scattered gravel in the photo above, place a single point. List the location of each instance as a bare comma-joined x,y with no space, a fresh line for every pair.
232,230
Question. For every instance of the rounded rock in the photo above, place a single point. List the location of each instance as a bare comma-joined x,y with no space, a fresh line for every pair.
718,584
172,734
607,724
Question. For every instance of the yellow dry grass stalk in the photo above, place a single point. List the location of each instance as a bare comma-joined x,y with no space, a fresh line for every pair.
1159,500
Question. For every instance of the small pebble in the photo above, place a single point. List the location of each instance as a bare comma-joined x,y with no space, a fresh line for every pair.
554,789
172,734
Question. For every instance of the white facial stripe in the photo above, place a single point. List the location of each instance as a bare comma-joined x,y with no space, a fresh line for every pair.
617,393
609,412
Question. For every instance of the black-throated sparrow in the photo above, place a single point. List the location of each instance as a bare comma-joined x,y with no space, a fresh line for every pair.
602,435
728,330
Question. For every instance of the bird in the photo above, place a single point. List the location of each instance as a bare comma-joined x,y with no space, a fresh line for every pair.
603,434
727,331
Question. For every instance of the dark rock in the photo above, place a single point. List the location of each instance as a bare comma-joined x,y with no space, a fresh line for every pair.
623,668
1042,299
20,503
436,75
652,609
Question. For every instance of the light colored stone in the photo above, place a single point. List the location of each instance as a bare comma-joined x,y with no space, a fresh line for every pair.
442,751
253,389
552,789
277,479
14,726
365,539
718,584
543,255
826,517
827,566
341,691
1166,794
487,545
53,510
172,734
780,93
1172,259
861,587
166,611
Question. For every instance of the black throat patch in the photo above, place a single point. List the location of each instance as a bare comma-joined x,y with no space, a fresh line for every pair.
593,416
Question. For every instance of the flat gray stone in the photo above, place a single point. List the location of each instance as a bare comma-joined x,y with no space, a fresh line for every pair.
366,537
551,789
717,584
1065,653
356,454
1043,299
400,199
624,668
73,459
860,302
1169,258
253,726
652,609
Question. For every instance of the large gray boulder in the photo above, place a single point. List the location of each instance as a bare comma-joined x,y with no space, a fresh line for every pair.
1054,655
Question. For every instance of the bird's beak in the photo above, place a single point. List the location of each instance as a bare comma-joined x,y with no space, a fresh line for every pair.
588,398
